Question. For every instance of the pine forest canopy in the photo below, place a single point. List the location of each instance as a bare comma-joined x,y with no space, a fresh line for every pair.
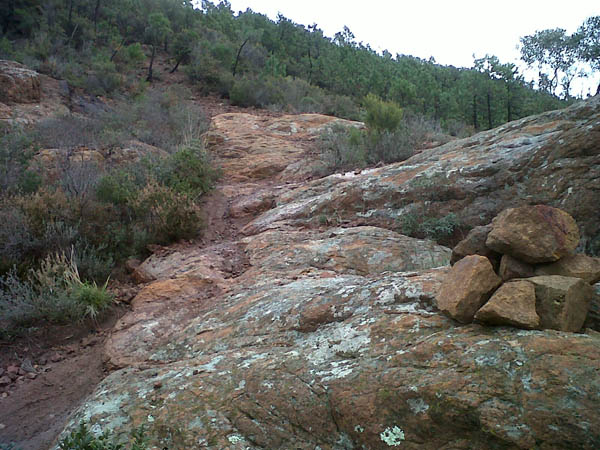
257,61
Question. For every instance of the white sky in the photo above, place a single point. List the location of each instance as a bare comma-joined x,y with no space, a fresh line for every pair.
449,30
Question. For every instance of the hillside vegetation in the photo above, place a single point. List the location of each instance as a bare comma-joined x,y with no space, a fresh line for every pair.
253,60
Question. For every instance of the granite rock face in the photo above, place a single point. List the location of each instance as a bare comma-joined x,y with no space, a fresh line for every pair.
551,159
321,336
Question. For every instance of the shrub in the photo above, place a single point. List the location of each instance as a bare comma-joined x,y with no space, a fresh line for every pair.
343,148
165,215
83,439
348,148
420,225
382,115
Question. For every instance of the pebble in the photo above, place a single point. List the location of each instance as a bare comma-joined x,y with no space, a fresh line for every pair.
4,381
31,375
12,369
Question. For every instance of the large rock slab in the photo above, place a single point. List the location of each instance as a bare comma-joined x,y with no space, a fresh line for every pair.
534,234
467,287
250,147
579,266
562,302
550,159
512,304
18,84
254,372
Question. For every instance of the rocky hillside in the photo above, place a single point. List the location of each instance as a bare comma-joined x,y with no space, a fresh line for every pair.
318,328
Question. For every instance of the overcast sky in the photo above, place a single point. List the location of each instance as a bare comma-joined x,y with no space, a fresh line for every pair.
449,30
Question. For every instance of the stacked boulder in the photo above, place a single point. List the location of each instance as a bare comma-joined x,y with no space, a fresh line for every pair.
521,271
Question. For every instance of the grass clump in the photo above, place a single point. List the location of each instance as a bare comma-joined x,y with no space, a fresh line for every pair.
53,292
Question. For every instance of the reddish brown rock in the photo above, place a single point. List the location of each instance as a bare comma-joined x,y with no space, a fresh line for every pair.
513,268
18,84
512,304
562,302
534,234
467,287
474,244
578,266
256,147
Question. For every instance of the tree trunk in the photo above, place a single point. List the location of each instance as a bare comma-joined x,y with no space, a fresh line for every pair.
509,102
69,25
237,58
174,69
475,124
489,110
96,11
149,77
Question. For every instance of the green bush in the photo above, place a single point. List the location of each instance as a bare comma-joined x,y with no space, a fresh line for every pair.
382,115
439,229
83,439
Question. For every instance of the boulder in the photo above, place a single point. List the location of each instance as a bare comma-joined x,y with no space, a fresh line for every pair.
467,287
18,84
474,244
562,302
512,304
578,266
513,268
593,319
534,234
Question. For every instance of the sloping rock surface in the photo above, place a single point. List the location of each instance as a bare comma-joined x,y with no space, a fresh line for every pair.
329,337
551,159
18,84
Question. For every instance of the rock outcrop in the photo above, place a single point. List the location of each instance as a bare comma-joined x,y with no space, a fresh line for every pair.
18,84
27,96
329,337
551,159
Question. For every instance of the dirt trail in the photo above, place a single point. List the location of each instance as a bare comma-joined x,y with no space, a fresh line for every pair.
69,362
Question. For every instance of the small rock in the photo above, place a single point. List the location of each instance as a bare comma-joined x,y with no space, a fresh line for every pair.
467,287
57,357
12,376
1,371
31,376
141,275
131,264
474,244
578,266
562,302
5,381
12,369
513,268
158,385
4,394
534,234
512,304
